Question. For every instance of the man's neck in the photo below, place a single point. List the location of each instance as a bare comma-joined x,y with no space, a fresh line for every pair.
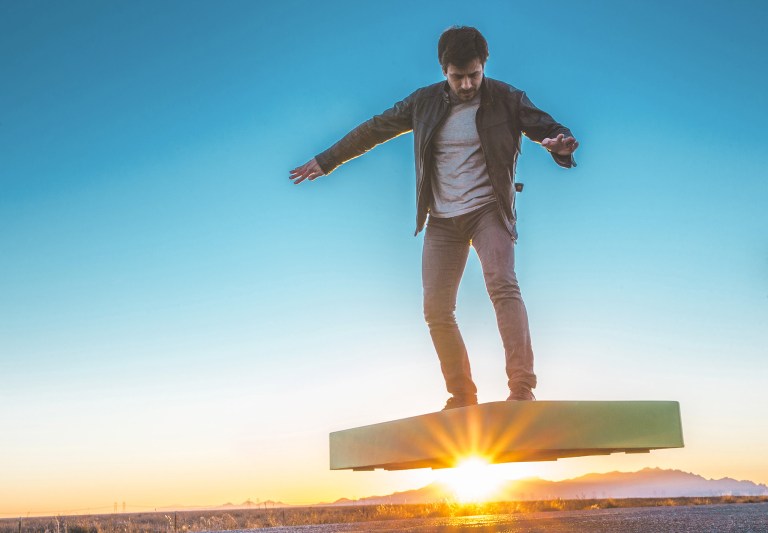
455,99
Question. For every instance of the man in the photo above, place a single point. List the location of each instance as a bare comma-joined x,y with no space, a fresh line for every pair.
467,134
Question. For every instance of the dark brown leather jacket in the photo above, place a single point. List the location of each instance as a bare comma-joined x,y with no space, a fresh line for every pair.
505,114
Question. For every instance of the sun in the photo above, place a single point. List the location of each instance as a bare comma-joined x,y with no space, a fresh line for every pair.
473,480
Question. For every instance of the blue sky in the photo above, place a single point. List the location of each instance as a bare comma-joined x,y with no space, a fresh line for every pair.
175,312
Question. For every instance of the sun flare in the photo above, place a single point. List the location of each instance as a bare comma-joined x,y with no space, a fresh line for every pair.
473,480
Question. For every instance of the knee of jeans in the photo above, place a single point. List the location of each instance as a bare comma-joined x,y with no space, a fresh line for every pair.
439,314
506,288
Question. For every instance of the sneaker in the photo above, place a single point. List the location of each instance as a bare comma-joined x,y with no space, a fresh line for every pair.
521,394
459,401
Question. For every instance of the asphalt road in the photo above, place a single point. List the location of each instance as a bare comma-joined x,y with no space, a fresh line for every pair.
741,518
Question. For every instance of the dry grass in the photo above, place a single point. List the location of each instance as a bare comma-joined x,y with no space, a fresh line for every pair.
193,521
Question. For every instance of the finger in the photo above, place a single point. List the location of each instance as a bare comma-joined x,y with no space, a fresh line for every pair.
306,166
308,175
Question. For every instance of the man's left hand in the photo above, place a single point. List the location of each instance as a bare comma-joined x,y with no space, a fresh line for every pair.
561,145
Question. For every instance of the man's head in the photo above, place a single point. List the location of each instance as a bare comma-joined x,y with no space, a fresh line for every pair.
462,52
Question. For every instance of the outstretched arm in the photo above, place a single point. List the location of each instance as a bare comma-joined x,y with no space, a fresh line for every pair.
542,128
381,128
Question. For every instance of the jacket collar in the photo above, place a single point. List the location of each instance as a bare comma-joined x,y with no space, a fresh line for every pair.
486,95
446,92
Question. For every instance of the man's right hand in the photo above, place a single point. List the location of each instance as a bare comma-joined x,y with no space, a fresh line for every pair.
309,170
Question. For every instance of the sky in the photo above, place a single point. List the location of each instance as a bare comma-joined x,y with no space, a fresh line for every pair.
181,325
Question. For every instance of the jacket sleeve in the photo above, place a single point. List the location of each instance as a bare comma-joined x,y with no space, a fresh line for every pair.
538,125
381,128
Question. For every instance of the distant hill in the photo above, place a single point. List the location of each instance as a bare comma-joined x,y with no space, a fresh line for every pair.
646,483
248,504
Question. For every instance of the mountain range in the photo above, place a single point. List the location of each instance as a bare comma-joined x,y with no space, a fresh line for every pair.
646,483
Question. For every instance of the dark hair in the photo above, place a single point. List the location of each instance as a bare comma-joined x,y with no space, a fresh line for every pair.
459,45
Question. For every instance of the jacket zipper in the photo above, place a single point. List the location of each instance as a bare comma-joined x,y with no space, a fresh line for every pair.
493,185
420,192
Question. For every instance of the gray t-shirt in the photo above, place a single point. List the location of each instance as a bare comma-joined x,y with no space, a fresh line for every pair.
461,183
